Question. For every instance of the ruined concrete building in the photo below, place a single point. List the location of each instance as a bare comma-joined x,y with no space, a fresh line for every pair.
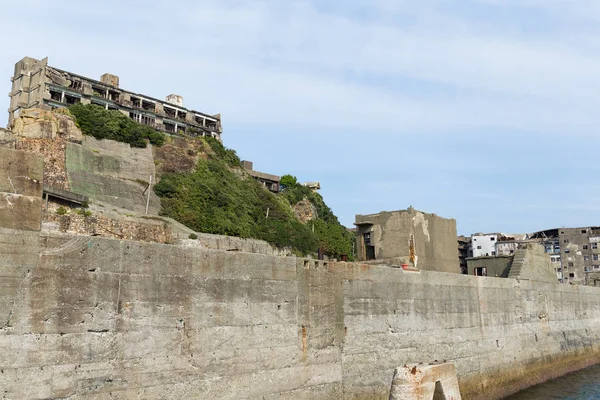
425,241
269,181
35,84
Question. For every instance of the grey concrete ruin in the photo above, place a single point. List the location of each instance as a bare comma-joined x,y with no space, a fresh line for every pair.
425,241
35,84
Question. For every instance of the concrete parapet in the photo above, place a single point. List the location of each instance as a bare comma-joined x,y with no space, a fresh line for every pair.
425,382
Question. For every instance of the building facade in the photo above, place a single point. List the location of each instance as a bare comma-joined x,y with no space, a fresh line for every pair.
425,241
574,253
484,245
35,84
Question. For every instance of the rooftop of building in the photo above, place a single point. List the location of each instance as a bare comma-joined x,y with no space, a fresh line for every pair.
366,219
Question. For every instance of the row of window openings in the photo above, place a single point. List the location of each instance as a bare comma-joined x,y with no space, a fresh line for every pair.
136,102
571,274
582,231
585,246
586,269
492,239
570,263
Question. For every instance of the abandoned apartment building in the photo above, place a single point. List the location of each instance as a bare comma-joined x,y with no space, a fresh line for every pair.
35,84
574,253
426,241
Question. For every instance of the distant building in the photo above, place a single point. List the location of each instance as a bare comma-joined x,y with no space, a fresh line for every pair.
423,240
529,262
269,181
314,186
495,244
574,253
484,245
35,84
464,252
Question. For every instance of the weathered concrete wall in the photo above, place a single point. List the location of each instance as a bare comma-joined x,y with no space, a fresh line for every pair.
130,229
533,263
232,243
114,173
87,317
496,266
434,239
7,139
21,175
47,133
53,151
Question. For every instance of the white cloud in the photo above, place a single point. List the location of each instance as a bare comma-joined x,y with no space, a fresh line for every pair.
336,88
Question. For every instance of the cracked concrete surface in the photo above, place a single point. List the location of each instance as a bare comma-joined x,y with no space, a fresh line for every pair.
101,318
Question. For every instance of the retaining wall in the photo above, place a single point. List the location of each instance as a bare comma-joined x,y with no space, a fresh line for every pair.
96,318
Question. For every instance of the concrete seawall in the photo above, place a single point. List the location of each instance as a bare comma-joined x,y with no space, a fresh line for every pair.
97,318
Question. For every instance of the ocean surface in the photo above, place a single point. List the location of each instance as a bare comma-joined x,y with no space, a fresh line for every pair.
583,384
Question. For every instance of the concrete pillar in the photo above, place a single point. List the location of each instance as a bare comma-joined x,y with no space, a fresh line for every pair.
436,381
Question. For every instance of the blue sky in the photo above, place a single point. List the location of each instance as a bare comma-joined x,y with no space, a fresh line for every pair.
481,110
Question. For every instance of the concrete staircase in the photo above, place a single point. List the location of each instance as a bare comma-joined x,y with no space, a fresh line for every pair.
517,264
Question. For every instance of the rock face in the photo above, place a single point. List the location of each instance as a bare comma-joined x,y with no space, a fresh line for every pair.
41,124
47,133
178,155
7,139
305,210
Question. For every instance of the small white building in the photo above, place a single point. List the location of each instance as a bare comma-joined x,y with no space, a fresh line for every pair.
484,244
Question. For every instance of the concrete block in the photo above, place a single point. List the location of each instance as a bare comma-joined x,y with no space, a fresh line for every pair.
425,382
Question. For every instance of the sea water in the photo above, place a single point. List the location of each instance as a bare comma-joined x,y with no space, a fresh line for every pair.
579,385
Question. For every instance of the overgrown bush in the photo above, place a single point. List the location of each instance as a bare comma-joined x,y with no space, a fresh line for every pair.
288,181
61,210
83,212
95,121
214,199
331,236
220,152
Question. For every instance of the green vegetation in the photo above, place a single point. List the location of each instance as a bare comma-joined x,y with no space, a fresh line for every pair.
288,181
95,121
193,236
331,236
220,152
83,212
215,199
61,210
